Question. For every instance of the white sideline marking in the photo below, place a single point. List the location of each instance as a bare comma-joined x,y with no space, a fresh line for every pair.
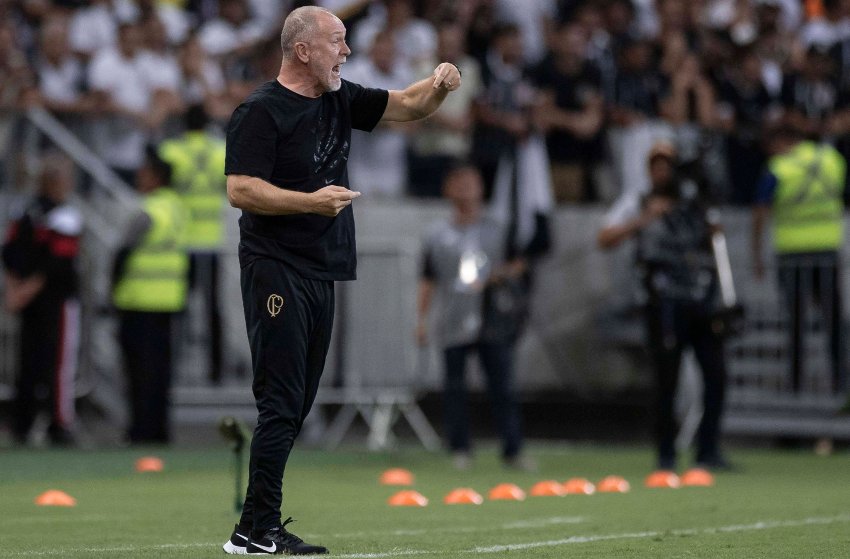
521,525
755,526
761,525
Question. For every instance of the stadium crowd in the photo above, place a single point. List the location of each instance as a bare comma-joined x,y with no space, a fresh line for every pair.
577,95
599,79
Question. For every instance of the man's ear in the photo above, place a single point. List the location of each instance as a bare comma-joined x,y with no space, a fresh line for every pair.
302,51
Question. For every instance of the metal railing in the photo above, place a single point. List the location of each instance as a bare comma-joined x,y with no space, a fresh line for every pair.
787,370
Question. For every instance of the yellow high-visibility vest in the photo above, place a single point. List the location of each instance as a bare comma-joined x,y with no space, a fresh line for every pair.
197,164
156,273
808,202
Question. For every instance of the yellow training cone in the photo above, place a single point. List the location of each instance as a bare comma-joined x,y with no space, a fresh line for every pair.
396,476
548,488
579,486
407,498
463,496
149,464
662,479
613,484
55,498
507,492
697,477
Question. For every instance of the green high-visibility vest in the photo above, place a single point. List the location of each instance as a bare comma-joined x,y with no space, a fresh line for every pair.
197,164
156,273
807,204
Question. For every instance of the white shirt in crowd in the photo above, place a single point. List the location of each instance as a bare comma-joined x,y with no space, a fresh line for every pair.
62,83
120,140
93,29
415,41
219,37
195,90
378,160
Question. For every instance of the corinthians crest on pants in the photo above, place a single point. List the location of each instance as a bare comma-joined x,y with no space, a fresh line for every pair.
274,304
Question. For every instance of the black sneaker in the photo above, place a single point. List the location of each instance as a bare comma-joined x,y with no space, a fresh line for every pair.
237,542
278,541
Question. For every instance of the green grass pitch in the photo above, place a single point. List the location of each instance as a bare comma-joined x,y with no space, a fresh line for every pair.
783,504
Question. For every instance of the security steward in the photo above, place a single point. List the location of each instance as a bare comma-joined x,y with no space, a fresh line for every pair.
674,258
149,290
802,190
197,162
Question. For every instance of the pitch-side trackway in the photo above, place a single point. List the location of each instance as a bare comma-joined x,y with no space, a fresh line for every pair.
755,526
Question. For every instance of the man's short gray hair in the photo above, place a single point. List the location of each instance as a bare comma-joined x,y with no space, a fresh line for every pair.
300,25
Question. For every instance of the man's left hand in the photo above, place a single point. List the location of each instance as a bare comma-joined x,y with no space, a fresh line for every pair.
447,76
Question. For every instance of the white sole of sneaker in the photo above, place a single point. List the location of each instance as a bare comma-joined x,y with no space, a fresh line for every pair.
231,549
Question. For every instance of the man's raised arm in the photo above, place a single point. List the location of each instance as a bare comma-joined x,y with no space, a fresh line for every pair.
260,197
422,98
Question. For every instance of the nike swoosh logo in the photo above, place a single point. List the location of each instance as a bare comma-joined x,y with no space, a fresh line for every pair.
271,549
241,536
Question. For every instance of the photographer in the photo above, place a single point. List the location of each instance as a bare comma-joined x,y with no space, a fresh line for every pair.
674,257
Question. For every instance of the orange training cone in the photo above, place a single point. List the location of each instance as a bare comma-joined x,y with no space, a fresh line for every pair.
548,488
396,476
613,484
662,479
407,498
579,486
55,498
149,464
697,477
507,492
463,496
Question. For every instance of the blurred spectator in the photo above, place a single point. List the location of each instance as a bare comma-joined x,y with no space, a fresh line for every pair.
480,23
233,32
93,28
633,114
163,73
833,27
16,81
535,20
270,14
572,114
675,18
674,254
600,43
688,104
778,44
743,108
447,134
502,112
174,20
61,77
809,96
415,39
378,161
121,82
802,192
202,80
464,257
149,289
41,283
197,163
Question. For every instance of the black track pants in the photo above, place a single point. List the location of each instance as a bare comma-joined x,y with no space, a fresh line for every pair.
289,321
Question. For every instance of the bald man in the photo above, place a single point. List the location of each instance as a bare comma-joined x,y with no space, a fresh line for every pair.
287,148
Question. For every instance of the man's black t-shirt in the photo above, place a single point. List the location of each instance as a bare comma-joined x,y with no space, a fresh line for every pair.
300,143
572,93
